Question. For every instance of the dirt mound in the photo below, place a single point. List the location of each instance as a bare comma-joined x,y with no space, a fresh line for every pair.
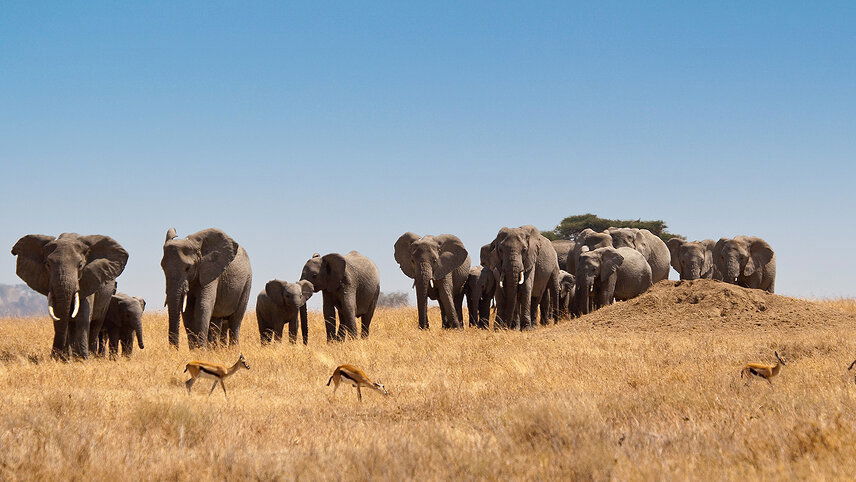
709,305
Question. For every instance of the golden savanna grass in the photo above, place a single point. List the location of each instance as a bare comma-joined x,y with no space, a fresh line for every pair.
573,401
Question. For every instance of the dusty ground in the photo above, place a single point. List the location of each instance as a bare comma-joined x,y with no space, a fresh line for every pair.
644,389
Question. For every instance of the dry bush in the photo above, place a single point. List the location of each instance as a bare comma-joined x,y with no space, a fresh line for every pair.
573,401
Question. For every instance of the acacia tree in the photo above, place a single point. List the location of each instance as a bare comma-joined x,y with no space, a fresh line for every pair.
572,225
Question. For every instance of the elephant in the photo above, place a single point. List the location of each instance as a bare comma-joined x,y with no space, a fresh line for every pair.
280,303
349,285
692,259
77,274
746,261
526,267
208,281
564,248
124,319
649,244
607,274
439,266
479,291
567,288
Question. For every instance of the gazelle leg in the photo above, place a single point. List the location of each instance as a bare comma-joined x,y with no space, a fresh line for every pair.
335,387
213,387
359,393
189,384
224,387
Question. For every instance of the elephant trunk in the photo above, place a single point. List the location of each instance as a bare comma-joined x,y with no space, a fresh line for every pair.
176,302
423,281
694,272
583,294
63,306
509,280
732,271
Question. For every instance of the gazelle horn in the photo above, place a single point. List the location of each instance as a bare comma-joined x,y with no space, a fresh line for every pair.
76,304
50,308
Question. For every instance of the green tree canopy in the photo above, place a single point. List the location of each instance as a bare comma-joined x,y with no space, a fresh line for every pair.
572,225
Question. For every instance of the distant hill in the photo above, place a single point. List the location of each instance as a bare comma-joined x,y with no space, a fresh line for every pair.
20,300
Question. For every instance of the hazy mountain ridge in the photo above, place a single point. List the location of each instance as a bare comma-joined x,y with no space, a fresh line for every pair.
20,300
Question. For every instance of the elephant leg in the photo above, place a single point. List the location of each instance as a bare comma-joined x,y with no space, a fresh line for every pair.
447,301
304,324
127,343
546,307
114,342
224,331
277,331
237,317
347,315
443,319
94,333
483,313
329,317
525,303
214,327
80,329
204,310
366,320
292,331
265,333
459,308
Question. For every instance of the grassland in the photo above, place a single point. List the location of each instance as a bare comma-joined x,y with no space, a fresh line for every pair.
571,401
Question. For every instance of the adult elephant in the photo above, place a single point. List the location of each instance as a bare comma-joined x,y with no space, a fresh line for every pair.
526,266
349,285
692,259
649,244
208,282
77,274
439,266
123,321
280,303
564,250
608,274
746,261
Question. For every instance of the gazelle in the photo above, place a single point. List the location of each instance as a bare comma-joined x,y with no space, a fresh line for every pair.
763,370
200,369
355,377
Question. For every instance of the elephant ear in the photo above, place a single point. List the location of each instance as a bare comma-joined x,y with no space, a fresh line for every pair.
402,253
674,245
105,261
611,259
493,261
30,265
333,270
533,238
452,254
170,235
484,255
307,289
718,247
217,250
142,303
760,254
275,290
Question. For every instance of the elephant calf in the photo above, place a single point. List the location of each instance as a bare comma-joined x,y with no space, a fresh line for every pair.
280,303
124,319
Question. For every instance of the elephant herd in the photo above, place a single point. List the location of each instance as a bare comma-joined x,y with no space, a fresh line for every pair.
209,280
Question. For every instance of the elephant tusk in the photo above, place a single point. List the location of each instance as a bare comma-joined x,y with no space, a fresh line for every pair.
431,283
522,278
50,308
500,283
735,280
184,303
76,306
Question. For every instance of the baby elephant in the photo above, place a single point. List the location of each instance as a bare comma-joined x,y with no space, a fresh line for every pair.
279,304
124,319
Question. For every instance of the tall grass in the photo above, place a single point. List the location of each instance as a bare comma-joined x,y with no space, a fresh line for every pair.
567,402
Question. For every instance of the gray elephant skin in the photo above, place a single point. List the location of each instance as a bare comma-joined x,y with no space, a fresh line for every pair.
526,266
350,286
608,274
649,244
77,274
692,259
208,282
279,304
439,266
479,292
567,289
564,251
124,321
746,261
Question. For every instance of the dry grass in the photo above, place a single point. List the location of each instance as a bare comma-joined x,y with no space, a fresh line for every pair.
579,401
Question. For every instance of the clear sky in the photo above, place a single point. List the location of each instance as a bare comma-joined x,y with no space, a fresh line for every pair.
321,127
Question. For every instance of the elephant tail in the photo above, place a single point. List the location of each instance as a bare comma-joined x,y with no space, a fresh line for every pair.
330,380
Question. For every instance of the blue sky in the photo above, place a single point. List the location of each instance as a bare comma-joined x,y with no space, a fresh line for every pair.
310,127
